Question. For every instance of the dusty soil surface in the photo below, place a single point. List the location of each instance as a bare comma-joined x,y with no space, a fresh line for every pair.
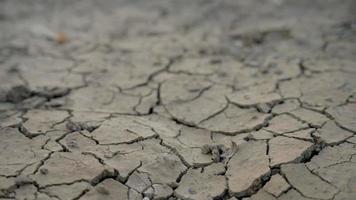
188,99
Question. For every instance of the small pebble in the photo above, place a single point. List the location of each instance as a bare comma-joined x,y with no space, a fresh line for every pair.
44,171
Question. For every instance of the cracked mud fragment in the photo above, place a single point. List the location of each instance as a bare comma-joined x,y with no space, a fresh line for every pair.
344,115
191,103
128,70
329,64
332,134
55,170
284,150
308,184
343,177
332,156
6,185
18,152
108,189
178,100
67,191
352,140
101,99
261,195
158,191
188,144
248,168
30,192
314,119
276,186
160,163
85,121
43,74
123,130
42,121
139,181
293,195
148,157
337,166
259,94
192,187
233,120
329,89
10,119
302,134
285,124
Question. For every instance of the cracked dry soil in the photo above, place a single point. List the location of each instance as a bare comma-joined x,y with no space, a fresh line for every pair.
178,100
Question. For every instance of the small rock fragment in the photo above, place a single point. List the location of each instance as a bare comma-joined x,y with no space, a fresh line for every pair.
249,137
44,171
219,152
72,126
61,38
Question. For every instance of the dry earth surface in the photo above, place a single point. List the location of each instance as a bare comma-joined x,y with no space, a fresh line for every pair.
178,99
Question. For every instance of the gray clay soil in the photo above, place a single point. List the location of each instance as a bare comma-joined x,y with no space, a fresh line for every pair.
178,99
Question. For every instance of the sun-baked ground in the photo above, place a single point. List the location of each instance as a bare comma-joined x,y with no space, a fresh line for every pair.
178,99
